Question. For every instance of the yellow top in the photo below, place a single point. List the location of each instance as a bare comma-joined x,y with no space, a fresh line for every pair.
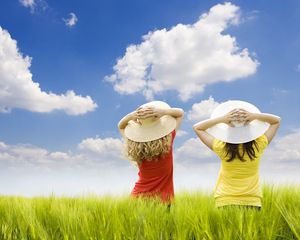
238,182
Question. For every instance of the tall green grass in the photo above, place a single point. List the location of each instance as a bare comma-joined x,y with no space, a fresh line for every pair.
192,216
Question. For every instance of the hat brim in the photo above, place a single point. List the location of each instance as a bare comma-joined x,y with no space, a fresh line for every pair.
160,128
240,134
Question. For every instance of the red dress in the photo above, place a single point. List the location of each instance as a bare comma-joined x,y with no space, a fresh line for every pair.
156,177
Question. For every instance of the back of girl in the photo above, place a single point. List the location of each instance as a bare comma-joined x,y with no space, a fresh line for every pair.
238,133
149,133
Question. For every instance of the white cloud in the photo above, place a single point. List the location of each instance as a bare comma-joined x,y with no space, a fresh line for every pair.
251,16
199,166
185,58
27,3
18,90
105,147
282,151
202,109
97,167
34,4
20,156
196,167
281,161
285,149
91,152
181,133
193,152
71,21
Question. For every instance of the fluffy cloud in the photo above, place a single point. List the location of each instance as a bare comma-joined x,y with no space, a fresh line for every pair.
28,156
18,90
202,109
181,133
283,153
27,3
109,147
34,4
196,167
279,164
91,152
185,58
285,150
97,167
71,21
193,152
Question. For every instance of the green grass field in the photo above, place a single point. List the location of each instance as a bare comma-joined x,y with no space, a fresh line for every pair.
192,216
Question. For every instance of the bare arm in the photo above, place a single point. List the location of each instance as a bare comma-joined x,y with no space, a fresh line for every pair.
147,112
273,120
177,113
124,121
201,127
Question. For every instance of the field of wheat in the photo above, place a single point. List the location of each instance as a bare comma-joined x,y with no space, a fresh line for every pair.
192,216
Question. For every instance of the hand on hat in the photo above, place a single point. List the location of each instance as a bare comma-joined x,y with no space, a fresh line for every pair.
229,117
149,112
238,115
246,116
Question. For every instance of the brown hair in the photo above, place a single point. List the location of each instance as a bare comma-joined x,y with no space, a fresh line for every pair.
233,151
140,151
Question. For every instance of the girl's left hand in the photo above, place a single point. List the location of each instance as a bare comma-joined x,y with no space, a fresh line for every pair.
246,116
148,112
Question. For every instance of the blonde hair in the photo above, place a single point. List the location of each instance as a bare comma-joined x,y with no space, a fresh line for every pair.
152,150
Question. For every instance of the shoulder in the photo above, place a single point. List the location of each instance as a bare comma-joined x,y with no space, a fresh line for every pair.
262,141
218,145
174,133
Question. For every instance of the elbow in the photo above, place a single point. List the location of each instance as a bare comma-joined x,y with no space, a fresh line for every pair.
198,128
180,112
278,120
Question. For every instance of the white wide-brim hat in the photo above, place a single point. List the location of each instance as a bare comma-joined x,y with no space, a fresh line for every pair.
241,132
151,129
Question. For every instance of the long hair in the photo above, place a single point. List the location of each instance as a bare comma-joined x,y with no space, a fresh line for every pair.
140,151
233,150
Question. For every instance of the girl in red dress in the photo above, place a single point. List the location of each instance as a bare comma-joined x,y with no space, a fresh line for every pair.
149,133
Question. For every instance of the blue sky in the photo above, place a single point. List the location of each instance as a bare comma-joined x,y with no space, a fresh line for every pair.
94,63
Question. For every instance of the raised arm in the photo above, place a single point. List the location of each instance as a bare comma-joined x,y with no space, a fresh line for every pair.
177,113
124,121
201,127
146,112
273,120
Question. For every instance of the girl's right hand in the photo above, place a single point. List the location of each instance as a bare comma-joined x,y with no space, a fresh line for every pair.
230,117
246,116
148,112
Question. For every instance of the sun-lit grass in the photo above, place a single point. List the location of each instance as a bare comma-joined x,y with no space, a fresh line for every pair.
192,216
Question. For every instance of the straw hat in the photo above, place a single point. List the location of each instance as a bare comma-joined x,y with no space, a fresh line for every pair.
241,132
150,129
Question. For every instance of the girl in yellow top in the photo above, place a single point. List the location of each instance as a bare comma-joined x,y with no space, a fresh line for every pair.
238,133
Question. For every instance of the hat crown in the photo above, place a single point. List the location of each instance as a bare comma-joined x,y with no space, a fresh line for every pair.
152,128
148,122
238,123
159,104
